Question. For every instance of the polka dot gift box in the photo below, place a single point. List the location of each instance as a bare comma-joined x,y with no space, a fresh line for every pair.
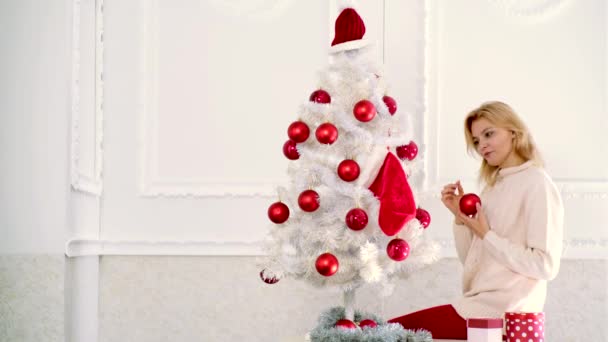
525,327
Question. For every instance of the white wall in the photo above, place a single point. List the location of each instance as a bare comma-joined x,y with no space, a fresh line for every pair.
176,149
35,69
35,66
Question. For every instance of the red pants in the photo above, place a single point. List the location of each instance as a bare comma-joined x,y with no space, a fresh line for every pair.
442,321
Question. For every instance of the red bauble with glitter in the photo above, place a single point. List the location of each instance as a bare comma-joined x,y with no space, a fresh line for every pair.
398,249
326,133
320,96
290,151
268,280
390,103
424,217
348,170
356,219
468,204
327,264
409,151
368,323
345,324
278,212
364,111
309,200
298,131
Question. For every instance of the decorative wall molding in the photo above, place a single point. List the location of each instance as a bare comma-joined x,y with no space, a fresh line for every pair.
88,183
85,247
150,183
529,8
586,189
574,248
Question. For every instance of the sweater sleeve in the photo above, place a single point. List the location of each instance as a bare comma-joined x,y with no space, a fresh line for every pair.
462,239
543,219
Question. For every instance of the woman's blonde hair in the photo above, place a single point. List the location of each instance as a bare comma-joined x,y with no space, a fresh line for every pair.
501,115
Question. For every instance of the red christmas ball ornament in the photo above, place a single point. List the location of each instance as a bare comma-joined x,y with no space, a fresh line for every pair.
364,111
298,131
267,279
468,204
327,264
320,96
390,103
348,170
409,151
398,249
368,323
424,217
345,324
326,133
309,200
290,151
278,212
356,219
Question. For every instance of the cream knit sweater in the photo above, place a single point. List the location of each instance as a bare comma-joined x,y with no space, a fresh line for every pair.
509,268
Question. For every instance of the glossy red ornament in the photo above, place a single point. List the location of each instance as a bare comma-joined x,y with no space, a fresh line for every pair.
345,324
398,249
266,279
327,264
298,131
290,151
364,111
348,170
320,96
390,103
368,323
326,133
409,151
468,204
309,200
356,219
278,212
424,217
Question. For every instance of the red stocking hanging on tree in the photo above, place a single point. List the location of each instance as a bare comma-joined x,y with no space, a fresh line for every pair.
397,205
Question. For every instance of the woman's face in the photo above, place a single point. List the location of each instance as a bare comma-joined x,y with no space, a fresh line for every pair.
493,143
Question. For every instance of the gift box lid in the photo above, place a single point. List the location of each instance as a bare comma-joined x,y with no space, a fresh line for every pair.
484,323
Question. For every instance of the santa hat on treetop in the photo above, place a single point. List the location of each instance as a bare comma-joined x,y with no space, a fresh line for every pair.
349,31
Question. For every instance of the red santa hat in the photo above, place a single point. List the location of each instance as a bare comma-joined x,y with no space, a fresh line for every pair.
349,31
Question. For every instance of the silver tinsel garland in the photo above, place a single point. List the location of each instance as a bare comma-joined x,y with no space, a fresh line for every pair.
384,332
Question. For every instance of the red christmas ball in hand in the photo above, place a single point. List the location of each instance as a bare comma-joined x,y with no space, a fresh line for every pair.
468,204
398,249
364,111
356,219
327,264
390,103
345,324
309,200
368,323
348,170
409,151
298,131
278,212
320,96
424,217
267,279
326,133
290,151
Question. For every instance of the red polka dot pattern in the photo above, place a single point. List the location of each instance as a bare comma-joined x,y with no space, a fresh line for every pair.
525,327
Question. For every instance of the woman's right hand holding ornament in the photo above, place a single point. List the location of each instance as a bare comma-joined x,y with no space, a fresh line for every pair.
450,196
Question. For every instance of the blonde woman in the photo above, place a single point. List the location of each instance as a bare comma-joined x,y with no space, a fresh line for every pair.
513,245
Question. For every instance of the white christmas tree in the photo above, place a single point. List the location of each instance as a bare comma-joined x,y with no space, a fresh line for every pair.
349,217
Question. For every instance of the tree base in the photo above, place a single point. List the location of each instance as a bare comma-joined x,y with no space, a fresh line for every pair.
384,332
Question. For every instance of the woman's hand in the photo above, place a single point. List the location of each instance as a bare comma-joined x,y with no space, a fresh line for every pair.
450,196
478,224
